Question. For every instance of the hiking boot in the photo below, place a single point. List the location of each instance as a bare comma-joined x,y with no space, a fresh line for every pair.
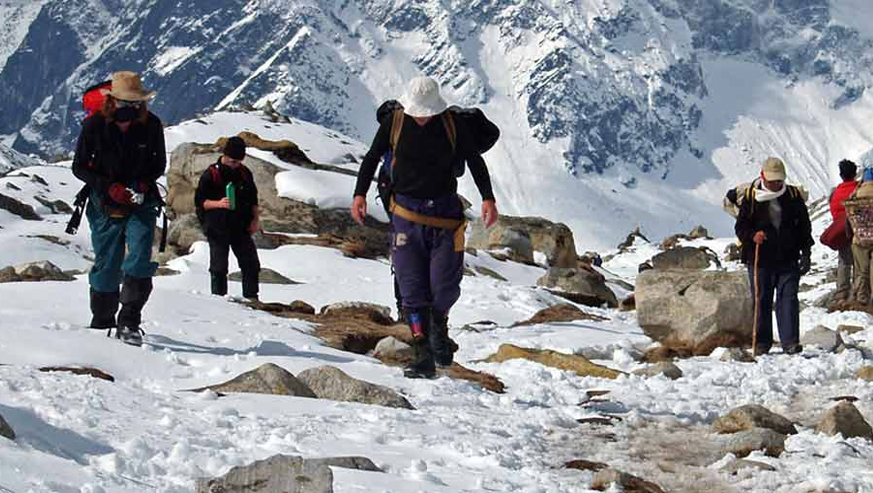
422,365
103,309
135,293
761,350
441,345
793,349
130,335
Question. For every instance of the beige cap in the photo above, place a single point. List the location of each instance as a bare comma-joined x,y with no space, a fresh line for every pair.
773,169
127,86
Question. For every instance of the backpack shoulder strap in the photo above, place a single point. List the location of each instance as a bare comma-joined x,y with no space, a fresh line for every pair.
215,172
396,128
451,129
750,198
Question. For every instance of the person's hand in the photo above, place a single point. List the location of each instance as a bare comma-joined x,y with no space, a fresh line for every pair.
760,237
221,204
120,194
489,213
359,209
254,226
805,263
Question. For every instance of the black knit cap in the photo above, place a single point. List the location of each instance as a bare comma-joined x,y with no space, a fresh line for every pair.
235,148
848,169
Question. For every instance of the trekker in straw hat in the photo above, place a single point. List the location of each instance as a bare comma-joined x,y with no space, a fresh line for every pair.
859,212
120,154
428,143
773,225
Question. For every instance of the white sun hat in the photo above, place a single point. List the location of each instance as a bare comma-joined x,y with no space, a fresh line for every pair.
422,98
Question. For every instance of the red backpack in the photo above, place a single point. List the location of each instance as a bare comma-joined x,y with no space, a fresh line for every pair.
92,100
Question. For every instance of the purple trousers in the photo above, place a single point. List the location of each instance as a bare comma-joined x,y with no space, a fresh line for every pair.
428,269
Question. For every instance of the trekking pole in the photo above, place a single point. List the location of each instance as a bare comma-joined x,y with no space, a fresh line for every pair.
757,304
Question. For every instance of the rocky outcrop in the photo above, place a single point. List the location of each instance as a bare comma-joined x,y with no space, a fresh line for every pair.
34,272
522,236
266,379
695,310
753,416
845,419
579,285
329,382
278,214
18,208
283,474
564,312
569,362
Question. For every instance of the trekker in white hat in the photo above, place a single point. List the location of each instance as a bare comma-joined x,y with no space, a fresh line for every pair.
120,154
428,144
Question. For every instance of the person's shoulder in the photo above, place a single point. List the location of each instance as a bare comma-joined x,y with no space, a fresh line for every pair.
93,122
153,121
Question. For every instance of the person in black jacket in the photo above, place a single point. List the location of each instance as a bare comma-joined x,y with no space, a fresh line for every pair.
773,224
226,227
428,144
120,154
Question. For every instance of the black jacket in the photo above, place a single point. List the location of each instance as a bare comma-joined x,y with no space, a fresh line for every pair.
105,155
225,222
783,247
425,163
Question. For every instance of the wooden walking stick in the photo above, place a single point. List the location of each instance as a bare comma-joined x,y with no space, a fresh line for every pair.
757,304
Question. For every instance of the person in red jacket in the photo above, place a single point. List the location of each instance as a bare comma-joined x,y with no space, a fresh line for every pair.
848,172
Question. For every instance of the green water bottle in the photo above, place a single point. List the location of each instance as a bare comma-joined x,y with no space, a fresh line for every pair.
230,193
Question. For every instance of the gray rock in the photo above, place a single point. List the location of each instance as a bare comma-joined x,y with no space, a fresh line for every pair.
823,337
18,208
737,354
391,349
732,253
682,258
736,466
579,285
266,276
665,368
699,232
845,419
753,416
604,478
695,310
849,329
485,271
745,442
183,232
278,474
523,236
6,430
357,463
329,382
265,379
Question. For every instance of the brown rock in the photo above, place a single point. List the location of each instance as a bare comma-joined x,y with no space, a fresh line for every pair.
845,419
628,304
522,236
586,465
657,354
604,478
753,416
583,286
865,373
92,372
357,309
849,329
485,380
735,466
564,312
577,364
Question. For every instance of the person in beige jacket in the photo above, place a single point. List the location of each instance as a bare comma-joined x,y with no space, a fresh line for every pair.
859,212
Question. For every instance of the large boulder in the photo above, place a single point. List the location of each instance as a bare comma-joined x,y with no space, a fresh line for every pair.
278,214
823,337
278,474
753,416
569,362
695,310
329,382
183,232
522,236
845,419
265,379
745,442
579,285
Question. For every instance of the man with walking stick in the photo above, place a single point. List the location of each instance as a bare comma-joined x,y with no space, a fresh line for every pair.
774,228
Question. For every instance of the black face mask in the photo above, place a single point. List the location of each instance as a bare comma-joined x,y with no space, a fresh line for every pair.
124,115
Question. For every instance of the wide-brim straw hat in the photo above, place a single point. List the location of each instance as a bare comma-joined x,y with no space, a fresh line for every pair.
422,98
127,86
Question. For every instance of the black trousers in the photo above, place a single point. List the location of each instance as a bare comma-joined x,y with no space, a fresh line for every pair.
246,254
784,283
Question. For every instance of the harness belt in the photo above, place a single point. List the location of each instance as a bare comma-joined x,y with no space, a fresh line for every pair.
458,226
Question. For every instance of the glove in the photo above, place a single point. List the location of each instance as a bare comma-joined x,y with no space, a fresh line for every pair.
120,194
805,263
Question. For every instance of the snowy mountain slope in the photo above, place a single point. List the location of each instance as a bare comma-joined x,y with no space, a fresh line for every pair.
11,159
631,96
144,432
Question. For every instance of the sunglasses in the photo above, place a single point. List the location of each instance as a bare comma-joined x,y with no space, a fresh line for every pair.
120,103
